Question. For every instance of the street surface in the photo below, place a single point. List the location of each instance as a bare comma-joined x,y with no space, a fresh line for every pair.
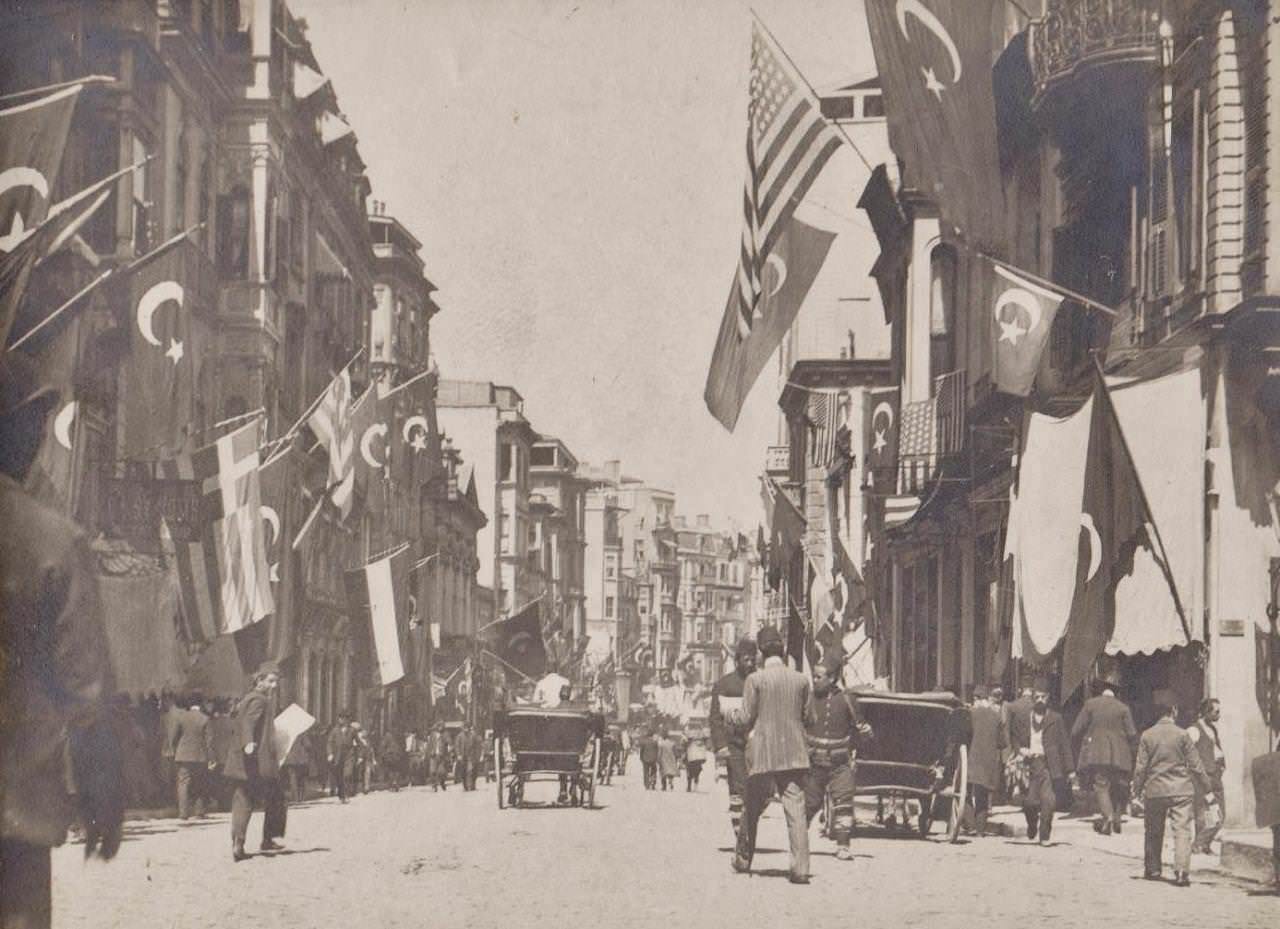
418,858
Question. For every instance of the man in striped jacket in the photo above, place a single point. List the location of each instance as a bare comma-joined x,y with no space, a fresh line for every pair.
832,726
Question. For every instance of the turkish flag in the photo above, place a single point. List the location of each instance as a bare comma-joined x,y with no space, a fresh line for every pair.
32,137
880,448
519,642
1022,315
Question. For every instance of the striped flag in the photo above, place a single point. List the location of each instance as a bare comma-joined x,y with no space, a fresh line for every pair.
899,508
917,445
824,407
380,589
788,143
223,574
331,422
950,393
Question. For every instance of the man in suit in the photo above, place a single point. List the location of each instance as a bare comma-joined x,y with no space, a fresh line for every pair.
252,764
1108,735
648,746
1166,775
55,677
1209,805
192,750
773,710
1041,738
730,742
986,744
340,754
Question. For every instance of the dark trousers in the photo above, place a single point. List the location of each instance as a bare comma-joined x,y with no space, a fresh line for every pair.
650,774
736,774
468,775
298,782
1110,785
692,771
1178,810
789,786
338,779
1041,800
979,806
26,886
439,773
266,793
191,787
839,780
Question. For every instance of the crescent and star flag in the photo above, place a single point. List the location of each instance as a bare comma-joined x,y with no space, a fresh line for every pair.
881,440
32,137
331,422
1113,521
380,590
518,642
934,57
278,480
368,435
223,575
1022,314
788,144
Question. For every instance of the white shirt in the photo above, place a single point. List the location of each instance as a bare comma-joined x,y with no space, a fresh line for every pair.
1037,737
548,690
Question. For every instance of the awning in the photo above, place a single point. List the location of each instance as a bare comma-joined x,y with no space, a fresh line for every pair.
1163,421
140,614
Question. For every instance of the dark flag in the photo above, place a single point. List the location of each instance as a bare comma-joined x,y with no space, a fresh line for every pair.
880,451
1022,313
278,479
1113,521
380,590
934,57
32,137
738,359
518,642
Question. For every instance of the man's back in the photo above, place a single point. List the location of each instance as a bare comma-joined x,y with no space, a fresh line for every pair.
773,704
192,739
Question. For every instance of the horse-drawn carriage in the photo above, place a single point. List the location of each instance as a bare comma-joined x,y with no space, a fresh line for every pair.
536,743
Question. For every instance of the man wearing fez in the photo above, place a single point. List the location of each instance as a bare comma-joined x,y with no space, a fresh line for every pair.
55,676
1040,737
730,742
252,765
833,726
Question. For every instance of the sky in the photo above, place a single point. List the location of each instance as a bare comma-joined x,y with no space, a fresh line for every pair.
575,171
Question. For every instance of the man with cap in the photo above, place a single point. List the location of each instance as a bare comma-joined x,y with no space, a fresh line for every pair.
773,709
986,743
833,726
1041,738
252,764
1166,775
55,677
340,748
728,741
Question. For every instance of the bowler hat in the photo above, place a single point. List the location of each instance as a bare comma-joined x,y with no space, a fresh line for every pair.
768,637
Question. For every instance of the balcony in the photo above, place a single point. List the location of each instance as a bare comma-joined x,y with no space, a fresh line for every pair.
1077,36
777,461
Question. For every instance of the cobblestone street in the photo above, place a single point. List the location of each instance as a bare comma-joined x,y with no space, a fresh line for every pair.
417,858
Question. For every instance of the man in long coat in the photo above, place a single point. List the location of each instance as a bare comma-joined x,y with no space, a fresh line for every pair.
1108,736
986,752
730,742
340,749
1041,738
192,751
252,765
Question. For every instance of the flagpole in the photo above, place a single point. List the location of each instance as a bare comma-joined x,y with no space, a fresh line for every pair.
796,68
61,85
511,613
399,387
30,333
422,562
311,408
1043,282
498,658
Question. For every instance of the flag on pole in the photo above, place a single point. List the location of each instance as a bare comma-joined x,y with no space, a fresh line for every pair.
917,446
881,439
950,392
518,642
934,57
1022,314
898,508
379,589
280,501
32,138
223,574
824,409
331,422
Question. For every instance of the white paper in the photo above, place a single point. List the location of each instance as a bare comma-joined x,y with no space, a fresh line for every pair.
292,722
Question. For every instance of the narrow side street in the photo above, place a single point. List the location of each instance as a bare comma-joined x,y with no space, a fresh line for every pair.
418,858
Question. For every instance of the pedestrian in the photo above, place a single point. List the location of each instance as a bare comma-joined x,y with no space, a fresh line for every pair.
392,754
728,741
339,754
624,749
1105,728
467,747
222,732
252,765
648,746
362,760
438,758
833,725
986,746
1040,739
695,757
1265,770
55,678
773,707
668,768
192,754
296,764
1166,776
1209,805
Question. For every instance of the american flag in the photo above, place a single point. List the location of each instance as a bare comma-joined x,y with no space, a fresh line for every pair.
331,422
950,393
917,445
223,576
824,407
788,142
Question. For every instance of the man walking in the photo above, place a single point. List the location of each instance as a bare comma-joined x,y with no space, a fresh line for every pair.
773,706
438,758
729,741
1108,735
253,766
192,751
1209,805
986,747
1166,775
833,726
649,759
1041,738
339,754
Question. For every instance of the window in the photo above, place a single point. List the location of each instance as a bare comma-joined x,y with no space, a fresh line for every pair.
543,457
838,107
233,233
942,310
505,460
873,106
608,607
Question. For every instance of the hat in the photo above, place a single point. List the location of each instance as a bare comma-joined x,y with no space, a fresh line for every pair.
746,646
832,661
768,636
1040,685
267,667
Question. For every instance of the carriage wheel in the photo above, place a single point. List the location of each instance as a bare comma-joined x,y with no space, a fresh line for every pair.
497,771
959,790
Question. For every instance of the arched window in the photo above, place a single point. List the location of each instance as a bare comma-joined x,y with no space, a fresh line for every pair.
942,310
